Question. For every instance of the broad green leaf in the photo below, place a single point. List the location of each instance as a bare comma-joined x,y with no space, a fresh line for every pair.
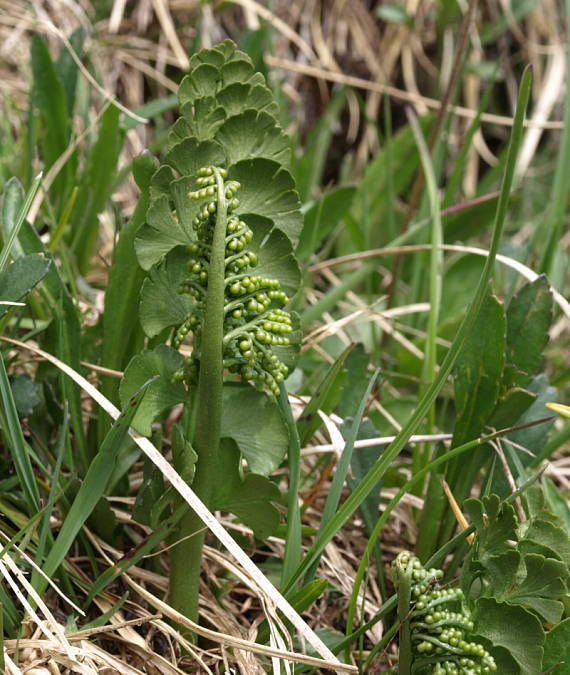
513,628
268,190
162,394
252,419
163,231
322,218
547,537
557,649
253,134
161,305
532,581
275,257
189,155
249,497
253,95
478,372
528,320
17,280
149,493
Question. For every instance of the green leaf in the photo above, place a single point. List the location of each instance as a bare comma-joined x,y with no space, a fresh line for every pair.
255,95
496,524
149,493
532,581
324,398
478,372
162,394
528,320
253,134
322,218
252,419
189,155
510,406
68,69
394,14
26,394
184,457
51,102
20,451
96,186
546,537
513,628
249,497
126,277
93,486
275,256
557,502
12,205
268,190
20,277
557,648
162,232
161,306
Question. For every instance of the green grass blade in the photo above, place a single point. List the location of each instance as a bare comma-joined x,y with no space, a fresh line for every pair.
45,535
375,474
559,199
17,443
14,217
50,100
93,486
436,257
123,337
324,399
96,186
341,471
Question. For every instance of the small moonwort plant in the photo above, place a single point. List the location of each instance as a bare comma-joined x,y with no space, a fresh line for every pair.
218,248
434,637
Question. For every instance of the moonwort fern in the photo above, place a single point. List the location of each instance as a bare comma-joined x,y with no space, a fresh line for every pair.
435,624
218,248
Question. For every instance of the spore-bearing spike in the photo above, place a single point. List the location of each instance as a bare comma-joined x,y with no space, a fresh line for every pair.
438,633
252,323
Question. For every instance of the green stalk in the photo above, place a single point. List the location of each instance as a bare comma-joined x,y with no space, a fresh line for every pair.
404,584
186,557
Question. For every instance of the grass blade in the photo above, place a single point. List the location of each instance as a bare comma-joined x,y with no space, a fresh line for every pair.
93,486
13,227
427,400
335,492
17,443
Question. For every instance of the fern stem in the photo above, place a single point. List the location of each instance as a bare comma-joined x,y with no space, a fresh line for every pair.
186,560
404,596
